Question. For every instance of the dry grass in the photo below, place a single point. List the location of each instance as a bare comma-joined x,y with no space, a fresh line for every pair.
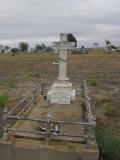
18,74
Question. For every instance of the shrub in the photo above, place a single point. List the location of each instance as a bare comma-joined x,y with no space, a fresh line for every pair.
102,100
93,82
110,111
34,74
3,99
105,99
108,143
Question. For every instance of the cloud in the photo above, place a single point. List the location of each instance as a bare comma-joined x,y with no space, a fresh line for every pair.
91,20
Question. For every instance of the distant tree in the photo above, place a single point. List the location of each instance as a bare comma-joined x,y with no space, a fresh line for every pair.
2,49
14,50
49,49
1,46
43,46
6,48
96,44
23,46
38,47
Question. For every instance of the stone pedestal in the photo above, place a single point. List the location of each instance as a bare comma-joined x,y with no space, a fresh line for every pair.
61,93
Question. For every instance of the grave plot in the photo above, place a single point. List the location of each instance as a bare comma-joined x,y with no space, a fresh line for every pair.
36,119
61,120
67,122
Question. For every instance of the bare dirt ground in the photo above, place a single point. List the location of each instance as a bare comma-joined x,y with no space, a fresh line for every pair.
65,113
19,73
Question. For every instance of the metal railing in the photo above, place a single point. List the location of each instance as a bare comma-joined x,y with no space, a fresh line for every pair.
19,109
17,114
89,117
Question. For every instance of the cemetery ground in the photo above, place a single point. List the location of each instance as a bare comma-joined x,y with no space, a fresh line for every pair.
19,73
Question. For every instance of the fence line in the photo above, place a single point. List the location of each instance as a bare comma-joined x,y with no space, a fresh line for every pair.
88,124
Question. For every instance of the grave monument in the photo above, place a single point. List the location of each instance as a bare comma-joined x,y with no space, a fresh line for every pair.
61,91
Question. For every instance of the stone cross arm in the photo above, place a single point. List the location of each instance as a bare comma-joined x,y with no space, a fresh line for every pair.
63,45
67,41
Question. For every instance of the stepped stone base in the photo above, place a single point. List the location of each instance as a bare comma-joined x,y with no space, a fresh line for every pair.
61,93
32,150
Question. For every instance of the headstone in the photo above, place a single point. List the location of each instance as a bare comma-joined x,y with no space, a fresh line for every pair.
61,91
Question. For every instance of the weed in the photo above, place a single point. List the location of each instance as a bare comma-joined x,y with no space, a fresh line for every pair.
105,99
3,99
110,110
108,143
34,74
93,82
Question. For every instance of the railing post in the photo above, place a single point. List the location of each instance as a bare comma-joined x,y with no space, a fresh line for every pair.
89,130
48,126
34,96
89,139
5,135
42,87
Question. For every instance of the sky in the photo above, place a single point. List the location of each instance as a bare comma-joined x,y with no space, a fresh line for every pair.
37,21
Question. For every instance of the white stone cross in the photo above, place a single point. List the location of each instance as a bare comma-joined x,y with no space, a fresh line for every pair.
62,48
61,91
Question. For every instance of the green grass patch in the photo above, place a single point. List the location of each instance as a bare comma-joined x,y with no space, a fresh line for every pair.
108,143
33,74
93,82
105,99
3,99
110,110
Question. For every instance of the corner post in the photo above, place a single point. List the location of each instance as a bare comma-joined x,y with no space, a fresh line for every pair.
5,135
